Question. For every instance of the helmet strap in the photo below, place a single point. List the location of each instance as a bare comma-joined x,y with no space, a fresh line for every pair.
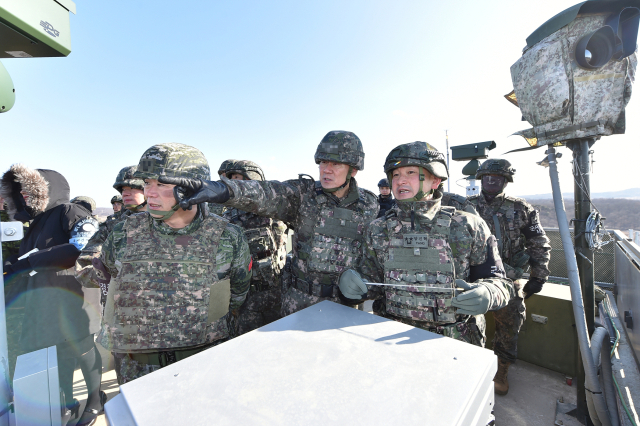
420,194
338,188
164,214
136,208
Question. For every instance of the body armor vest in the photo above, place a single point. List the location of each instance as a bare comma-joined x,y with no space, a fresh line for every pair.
334,244
425,262
268,254
510,240
167,293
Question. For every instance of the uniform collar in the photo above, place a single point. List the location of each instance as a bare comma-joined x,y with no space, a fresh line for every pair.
352,196
496,202
424,211
165,229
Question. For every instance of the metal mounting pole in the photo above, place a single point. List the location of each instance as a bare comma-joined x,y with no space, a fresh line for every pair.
584,256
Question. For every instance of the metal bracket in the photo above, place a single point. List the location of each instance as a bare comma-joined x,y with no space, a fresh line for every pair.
11,231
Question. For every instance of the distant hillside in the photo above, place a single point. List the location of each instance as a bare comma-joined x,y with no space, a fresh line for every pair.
103,211
632,193
622,214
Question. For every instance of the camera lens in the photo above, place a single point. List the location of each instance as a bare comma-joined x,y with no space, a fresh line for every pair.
595,50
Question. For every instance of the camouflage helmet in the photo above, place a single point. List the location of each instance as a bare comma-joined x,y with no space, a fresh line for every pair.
224,166
126,178
496,166
383,183
419,154
85,201
174,160
248,169
341,147
116,199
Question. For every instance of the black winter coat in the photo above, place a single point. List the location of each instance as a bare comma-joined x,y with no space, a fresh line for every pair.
57,308
385,204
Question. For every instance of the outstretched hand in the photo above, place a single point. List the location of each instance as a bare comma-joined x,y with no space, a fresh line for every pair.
189,192
474,300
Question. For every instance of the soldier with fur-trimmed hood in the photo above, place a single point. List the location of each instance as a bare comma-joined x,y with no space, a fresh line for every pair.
58,311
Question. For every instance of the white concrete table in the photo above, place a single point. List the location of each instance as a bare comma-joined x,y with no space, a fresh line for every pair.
327,364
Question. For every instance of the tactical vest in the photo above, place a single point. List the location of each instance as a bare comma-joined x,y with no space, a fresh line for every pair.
263,246
424,261
335,244
167,293
503,225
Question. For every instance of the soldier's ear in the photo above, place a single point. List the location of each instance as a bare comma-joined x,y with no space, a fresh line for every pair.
354,172
436,183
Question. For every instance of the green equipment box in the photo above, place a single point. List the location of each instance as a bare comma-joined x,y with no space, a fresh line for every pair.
35,28
548,336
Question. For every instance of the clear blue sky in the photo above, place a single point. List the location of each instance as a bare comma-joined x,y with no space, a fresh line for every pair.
265,81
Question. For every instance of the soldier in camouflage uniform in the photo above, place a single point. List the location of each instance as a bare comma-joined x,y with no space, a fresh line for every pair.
425,250
522,244
133,190
116,203
177,277
328,217
267,240
86,202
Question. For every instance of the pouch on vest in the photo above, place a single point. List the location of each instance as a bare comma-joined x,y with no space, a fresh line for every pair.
219,298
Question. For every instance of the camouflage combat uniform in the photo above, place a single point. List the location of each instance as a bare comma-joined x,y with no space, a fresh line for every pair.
522,242
173,292
267,240
84,271
328,231
427,246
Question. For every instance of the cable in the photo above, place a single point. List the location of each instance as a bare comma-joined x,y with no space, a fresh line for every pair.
613,349
594,229
593,232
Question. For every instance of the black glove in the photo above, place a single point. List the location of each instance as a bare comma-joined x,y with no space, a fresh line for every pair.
16,267
533,286
196,191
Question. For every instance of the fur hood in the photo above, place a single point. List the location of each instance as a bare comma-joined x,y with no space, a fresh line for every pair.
47,189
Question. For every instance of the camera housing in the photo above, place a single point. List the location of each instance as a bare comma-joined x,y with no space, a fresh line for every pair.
472,151
35,28
575,75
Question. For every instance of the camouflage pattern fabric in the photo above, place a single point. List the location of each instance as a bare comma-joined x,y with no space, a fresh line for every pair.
174,160
522,237
521,233
126,177
84,272
88,201
458,201
563,101
496,166
455,244
327,235
161,281
341,147
248,169
508,322
217,209
419,154
267,240
133,366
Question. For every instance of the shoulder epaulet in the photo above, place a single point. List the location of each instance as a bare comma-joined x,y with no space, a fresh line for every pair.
448,210
459,198
366,191
473,197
